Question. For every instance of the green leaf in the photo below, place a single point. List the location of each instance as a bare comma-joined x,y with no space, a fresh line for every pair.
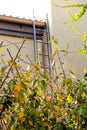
24,86
11,83
67,47
34,112
43,83
72,74
55,41
85,35
85,89
53,120
3,68
1,78
60,126
82,52
76,30
62,50
79,14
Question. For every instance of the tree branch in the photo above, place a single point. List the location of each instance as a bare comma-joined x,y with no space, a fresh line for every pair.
12,64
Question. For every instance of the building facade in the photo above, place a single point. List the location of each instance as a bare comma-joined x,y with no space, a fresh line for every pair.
13,31
64,29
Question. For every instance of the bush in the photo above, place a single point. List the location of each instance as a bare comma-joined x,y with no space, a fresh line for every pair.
33,100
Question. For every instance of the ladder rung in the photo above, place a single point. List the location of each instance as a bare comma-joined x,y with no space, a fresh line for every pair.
43,30
43,54
45,67
42,42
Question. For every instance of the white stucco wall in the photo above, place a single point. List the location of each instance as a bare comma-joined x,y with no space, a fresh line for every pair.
11,42
64,33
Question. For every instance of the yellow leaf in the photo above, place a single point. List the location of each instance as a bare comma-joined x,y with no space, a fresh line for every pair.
22,119
85,35
77,119
36,98
22,100
12,127
0,48
16,94
21,113
84,95
18,87
7,111
54,53
4,120
59,100
45,123
68,82
77,30
37,66
69,98
63,111
56,48
48,98
85,70
30,123
1,106
57,119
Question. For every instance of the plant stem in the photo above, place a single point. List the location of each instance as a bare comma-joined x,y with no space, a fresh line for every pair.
12,64
61,65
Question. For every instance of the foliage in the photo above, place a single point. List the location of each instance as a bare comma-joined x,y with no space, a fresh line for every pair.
77,15
33,100
80,13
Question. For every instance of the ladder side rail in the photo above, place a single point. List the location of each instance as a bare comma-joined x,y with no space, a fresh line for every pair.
35,43
49,46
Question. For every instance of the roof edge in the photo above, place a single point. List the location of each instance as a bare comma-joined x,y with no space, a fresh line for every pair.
21,20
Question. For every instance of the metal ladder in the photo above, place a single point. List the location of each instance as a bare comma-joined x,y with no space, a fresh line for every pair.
45,42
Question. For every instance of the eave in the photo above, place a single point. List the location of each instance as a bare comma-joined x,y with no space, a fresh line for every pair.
20,27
